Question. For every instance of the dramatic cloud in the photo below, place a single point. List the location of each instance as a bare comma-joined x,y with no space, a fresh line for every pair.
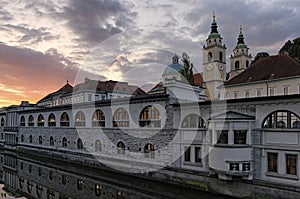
43,43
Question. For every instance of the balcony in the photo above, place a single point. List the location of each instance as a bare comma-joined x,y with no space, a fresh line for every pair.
11,129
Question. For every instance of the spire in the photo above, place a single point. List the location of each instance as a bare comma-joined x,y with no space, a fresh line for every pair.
214,26
241,36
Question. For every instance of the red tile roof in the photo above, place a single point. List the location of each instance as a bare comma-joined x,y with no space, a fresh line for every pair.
267,68
198,79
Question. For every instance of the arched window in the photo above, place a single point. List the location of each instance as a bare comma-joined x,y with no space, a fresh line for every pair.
237,65
41,120
121,118
79,144
79,119
29,186
64,179
51,120
150,117
220,56
209,57
98,119
281,119
51,141
40,140
2,121
79,184
30,139
247,63
193,121
64,142
64,119
121,148
21,182
50,194
149,151
31,121
39,191
98,145
98,190
22,121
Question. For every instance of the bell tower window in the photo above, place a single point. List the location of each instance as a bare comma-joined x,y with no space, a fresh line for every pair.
247,64
209,57
237,65
221,56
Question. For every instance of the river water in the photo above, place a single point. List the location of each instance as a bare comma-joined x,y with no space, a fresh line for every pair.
25,176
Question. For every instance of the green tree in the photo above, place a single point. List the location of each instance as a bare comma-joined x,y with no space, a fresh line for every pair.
292,47
260,55
187,71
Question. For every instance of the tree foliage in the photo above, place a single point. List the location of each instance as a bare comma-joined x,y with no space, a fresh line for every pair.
292,47
187,71
260,55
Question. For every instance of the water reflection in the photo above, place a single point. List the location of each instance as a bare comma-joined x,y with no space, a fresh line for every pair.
30,177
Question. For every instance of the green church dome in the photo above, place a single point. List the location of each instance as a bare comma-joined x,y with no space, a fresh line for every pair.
173,68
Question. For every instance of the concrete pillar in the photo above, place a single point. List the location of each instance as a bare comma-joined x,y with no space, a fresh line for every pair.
249,134
230,134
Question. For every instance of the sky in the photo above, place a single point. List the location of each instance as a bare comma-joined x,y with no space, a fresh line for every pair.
44,44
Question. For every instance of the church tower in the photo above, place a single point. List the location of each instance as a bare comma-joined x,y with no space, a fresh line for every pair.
214,62
240,60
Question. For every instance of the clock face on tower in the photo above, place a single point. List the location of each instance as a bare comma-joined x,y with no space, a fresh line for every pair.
209,67
221,67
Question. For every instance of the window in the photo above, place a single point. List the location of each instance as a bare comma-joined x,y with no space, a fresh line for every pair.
222,137
271,91
281,119
291,164
98,190
209,57
98,119
22,138
64,120
98,145
40,140
30,139
247,63
29,186
247,94
51,141
50,175
51,120
121,118
2,121
121,148
246,166
187,154
79,119
39,171
50,194
258,92
220,56
150,117
234,166
89,97
235,95
64,179
285,90
197,154
31,121
237,65
240,137
41,120
22,121
21,182
272,162
193,121
79,184
120,195
64,142
79,144
149,151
